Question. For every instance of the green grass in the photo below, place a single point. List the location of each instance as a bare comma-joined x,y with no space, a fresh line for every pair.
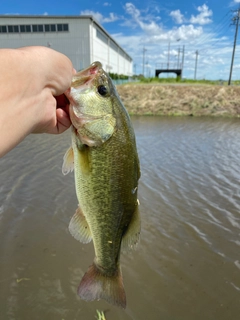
174,80
100,315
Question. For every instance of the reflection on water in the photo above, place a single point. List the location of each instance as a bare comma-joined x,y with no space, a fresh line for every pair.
187,265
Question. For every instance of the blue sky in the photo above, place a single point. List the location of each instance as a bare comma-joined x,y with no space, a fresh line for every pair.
160,29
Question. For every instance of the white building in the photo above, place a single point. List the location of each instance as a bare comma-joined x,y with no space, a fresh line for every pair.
81,38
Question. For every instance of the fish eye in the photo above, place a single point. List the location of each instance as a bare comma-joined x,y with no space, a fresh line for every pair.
102,90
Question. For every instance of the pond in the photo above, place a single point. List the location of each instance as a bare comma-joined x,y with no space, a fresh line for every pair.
187,264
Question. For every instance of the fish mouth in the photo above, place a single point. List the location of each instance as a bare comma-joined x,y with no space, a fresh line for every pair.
82,82
85,76
83,79
87,73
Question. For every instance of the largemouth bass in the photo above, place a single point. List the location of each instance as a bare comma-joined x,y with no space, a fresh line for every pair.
106,166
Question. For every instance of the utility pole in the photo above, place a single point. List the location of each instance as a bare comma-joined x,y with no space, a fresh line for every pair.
168,55
195,73
178,58
235,20
144,50
183,53
178,54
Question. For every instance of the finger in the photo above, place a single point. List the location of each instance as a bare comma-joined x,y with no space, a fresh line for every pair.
54,68
62,101
63,120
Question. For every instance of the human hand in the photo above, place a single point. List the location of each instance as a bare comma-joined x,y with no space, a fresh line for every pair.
32,81
54,72
62,113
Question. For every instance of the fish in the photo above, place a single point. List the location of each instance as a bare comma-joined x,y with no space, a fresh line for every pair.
104,157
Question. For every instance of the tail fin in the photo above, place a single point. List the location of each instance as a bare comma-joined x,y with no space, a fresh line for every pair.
96,285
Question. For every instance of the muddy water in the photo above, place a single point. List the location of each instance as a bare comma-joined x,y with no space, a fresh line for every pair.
187,265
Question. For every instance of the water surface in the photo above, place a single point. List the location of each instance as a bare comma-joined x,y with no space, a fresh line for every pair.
187,265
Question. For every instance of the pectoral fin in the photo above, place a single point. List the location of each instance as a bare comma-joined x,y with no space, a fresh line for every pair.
132,235
68,161
79,227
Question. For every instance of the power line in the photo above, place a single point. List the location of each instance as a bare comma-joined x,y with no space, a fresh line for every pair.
214,42
211,39
220,26
218,29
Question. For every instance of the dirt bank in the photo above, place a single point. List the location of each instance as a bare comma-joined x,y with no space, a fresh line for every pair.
195,100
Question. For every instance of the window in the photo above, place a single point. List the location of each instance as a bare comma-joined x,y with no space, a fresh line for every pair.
65,27
113,46
53,27
37,27
3,29
47,27
50,27
122,53
59,27
102,36
62,27
23,28
28,28
10,28
13,29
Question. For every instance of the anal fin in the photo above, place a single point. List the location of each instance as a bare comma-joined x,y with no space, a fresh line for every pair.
79,227
131,237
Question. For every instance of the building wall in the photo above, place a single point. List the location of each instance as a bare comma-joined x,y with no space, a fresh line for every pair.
84,42
113,58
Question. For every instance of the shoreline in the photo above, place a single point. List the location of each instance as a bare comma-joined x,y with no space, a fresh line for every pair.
180,99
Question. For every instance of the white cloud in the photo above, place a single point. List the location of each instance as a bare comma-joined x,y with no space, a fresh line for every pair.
155,32
177,16
187,32
132,10
130,41
112,17
99,17
107,4
237,1
184,32
150,26
203,17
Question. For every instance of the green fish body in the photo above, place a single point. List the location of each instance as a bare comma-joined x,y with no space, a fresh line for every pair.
105,161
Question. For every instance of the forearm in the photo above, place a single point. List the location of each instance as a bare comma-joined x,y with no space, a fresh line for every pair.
16,118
